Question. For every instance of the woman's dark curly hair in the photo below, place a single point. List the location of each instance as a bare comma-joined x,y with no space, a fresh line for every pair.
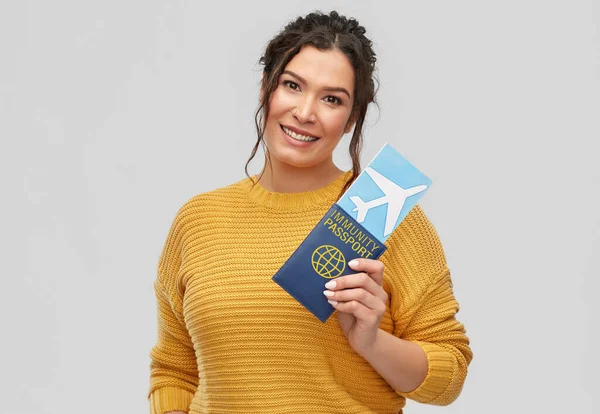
325,32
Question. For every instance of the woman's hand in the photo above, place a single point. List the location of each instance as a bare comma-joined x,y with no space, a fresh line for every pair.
360,301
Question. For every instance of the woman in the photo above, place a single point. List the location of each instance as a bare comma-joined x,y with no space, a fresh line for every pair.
229,338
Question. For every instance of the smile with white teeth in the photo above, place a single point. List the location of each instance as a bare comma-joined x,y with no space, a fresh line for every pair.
299,137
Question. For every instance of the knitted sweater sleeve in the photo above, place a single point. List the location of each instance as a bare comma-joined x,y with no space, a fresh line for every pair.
429,317
173,366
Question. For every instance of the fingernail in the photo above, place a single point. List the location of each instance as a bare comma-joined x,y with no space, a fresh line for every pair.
328,293
352,263
333,302
330,284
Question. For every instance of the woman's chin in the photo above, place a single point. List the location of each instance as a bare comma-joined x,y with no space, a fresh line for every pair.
295,160
298,162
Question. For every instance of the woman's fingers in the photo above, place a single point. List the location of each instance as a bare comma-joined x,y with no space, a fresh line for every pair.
374,268
357,280
359,295
358,310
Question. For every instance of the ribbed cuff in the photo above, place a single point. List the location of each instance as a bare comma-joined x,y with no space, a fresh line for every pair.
440,374
165,399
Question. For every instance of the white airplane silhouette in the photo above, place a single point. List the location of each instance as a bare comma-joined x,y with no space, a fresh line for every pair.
394,197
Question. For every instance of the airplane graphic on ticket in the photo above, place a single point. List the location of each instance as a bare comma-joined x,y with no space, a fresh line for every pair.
384,192
395,197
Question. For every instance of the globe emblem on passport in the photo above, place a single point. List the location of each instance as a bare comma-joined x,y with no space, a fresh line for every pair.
328,261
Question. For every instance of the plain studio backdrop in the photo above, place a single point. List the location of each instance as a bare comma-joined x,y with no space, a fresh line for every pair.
114,113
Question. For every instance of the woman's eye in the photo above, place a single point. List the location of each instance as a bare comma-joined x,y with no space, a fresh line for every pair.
291,85
334,100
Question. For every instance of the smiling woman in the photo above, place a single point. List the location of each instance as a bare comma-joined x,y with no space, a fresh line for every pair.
229,338
309,112
318,81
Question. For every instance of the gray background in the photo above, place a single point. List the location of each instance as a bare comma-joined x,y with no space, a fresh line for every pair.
114,113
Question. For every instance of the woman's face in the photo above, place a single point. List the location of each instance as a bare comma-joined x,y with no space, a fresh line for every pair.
309,110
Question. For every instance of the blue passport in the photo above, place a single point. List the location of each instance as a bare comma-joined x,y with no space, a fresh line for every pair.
356,226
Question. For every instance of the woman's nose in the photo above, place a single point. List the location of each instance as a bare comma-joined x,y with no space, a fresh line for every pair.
305,111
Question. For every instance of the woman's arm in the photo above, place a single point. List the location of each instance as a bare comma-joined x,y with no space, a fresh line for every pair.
361,302
434,328
173,368
429,363
403,364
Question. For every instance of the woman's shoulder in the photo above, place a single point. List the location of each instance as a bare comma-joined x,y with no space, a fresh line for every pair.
230,191
218,199
418,225
417,245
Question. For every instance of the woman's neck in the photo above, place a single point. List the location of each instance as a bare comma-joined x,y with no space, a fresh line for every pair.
284,178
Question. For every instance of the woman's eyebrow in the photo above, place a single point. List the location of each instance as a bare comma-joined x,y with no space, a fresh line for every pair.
326,88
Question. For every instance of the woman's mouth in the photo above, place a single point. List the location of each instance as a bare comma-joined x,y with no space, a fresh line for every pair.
298,137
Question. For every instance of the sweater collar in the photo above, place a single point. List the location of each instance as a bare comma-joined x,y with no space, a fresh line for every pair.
300,201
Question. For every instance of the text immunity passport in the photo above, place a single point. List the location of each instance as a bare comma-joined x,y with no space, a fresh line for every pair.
357,225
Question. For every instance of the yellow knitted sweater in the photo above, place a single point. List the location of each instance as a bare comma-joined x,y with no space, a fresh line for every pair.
230,340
